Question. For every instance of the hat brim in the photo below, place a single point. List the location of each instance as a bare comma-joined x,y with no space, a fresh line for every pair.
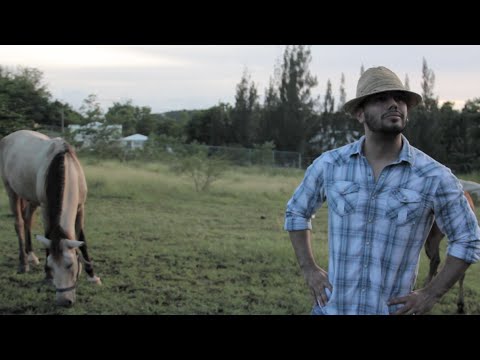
351,106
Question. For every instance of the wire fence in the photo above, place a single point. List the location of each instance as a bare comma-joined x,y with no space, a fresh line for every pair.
247,157
235,155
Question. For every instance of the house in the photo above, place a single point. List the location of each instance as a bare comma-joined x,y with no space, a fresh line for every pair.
135,141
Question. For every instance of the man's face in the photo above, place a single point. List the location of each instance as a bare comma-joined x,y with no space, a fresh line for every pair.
386,113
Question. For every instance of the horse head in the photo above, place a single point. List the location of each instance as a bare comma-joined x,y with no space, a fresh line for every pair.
65,269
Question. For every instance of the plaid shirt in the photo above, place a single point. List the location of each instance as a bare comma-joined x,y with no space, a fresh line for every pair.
377,229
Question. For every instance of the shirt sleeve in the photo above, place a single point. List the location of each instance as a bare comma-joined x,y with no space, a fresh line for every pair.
307,198
456,219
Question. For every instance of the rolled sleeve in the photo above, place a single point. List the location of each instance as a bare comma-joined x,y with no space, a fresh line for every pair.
456,219
307,198
468,250
295,222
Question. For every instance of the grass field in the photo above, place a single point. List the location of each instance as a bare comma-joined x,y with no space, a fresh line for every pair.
162,248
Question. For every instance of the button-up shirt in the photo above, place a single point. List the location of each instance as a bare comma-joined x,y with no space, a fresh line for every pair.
376,228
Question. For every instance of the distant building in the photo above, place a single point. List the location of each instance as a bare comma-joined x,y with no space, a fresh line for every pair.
135,141
86,134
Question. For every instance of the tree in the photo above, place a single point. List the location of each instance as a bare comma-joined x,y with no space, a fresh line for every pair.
428,82
145,122
122,114
424,120
268,128
295,120
471,113
58,110
343,94
91,109
329,100
211,126
472,106
134,119
24,100
167,126
244,124
454,150
422,127
30,97
11,121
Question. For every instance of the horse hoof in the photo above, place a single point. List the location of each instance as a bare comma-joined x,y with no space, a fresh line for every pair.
95,280
32,259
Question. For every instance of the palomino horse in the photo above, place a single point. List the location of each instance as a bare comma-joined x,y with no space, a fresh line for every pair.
432,248
39,171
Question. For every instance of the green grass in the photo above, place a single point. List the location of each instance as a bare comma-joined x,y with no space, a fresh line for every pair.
162,248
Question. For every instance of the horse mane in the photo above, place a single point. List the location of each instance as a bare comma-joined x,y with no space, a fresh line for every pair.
54,189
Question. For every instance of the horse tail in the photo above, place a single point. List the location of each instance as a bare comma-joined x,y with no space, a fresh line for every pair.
54,189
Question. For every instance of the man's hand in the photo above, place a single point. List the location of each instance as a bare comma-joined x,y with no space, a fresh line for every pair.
422,300
416,303
317,281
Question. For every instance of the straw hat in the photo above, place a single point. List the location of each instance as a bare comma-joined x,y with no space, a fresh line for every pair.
376,80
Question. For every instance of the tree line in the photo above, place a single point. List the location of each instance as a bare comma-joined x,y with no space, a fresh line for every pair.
290,118
26,103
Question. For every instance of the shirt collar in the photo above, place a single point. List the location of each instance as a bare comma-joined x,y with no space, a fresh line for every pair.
406,154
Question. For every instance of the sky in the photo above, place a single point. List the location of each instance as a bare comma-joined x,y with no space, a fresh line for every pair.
177,77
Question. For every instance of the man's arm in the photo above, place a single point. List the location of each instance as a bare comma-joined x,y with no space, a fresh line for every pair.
422,300
316,277
451,272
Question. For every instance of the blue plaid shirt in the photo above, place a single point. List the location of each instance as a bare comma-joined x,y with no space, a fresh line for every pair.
376,230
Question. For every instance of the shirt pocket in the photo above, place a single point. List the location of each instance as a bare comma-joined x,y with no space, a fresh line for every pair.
404,205
343,197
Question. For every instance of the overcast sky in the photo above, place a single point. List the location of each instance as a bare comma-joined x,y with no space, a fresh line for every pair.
176,77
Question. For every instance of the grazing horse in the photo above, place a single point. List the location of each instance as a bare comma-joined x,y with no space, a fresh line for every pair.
432,248
39,171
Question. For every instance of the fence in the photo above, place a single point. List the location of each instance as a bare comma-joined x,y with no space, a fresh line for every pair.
244,156
235,155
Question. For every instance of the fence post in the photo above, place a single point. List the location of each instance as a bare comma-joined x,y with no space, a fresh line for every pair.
299,160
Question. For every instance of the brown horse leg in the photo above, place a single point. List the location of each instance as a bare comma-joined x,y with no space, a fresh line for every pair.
432,249
16,208
460,302
28,212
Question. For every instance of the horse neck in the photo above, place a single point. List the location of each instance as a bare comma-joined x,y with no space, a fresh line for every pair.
71,196
62,198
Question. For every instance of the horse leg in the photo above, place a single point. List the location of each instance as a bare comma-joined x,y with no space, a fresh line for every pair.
432,249
460,302
16,208
48,271
79,222
28,212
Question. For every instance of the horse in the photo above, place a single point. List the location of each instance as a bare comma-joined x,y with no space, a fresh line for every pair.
432,249
39,171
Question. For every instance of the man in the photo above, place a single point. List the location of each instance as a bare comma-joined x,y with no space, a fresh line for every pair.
383,196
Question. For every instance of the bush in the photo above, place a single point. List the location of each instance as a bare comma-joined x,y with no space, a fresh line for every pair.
201,167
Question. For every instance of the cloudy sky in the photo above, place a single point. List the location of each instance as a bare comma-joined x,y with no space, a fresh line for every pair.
175,77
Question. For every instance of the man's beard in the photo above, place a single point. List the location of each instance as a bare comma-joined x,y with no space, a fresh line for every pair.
377,126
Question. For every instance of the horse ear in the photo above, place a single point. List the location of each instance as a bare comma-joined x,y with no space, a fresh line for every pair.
44,240
72,244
